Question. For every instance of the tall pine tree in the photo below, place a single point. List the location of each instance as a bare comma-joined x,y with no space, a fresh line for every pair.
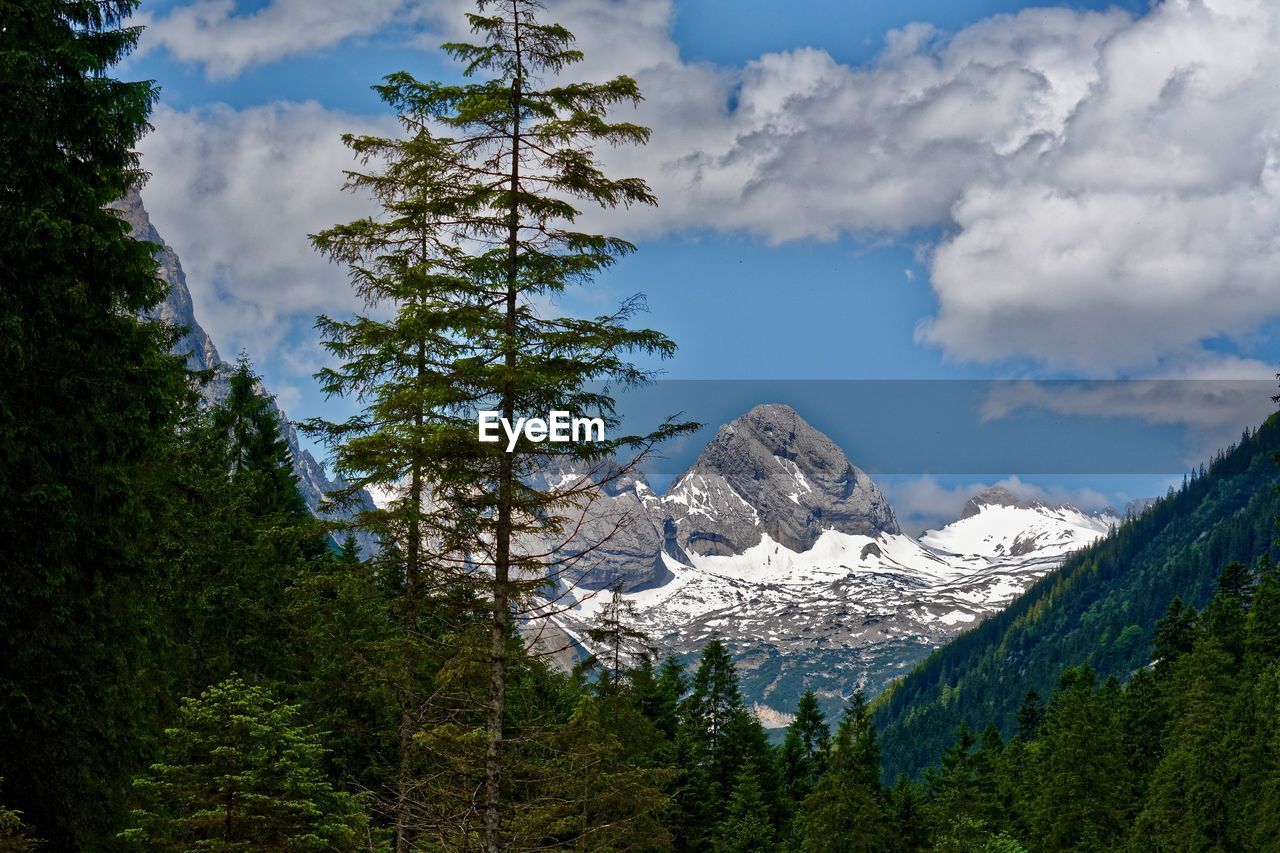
478,204
89,398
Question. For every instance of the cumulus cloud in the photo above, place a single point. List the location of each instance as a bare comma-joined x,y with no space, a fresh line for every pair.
236,192
214,34
1150,225
1106,190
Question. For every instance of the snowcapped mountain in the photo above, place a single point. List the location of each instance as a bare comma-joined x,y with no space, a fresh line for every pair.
177,310
776,542
770,474
995,524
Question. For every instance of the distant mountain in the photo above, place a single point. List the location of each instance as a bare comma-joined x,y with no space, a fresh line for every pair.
769,473
996,523
776,542
1100,608
1138,506
177,309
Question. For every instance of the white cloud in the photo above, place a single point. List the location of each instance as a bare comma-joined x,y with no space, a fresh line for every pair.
1107,189
236,192
1150,225
925,502
212,33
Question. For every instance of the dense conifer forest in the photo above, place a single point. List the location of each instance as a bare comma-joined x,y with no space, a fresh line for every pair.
1101,608
190,660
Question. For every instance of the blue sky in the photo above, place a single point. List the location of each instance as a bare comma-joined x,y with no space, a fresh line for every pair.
848,190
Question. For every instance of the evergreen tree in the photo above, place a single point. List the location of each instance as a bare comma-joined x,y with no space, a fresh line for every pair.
14,837
477,226
605,787
1263,627
614,633
846,812
1081,783
1191,796
1030,712
1175,633
663,707
246,537
346,646
804,748
745,827
239,772
909,823
954,793
718,739
89,400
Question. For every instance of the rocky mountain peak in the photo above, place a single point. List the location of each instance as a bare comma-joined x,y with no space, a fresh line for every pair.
178,310
992,496
770,472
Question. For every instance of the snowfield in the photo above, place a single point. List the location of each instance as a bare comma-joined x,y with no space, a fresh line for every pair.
851,611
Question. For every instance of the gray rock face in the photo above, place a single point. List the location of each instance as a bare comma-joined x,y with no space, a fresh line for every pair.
202,354
1138,506
611,538
770,472
767,472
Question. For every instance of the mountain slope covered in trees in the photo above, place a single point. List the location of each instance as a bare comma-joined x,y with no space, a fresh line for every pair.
1100,609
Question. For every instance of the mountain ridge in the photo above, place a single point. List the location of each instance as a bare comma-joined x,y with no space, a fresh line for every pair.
1099,608
202,354
778,544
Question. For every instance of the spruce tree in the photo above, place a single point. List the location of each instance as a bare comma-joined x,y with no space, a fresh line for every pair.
1030,713
804,748
954,788
846,812
615,635
239,772
1081,782
246,537
664,707
745,826
478,203
604,786
89,400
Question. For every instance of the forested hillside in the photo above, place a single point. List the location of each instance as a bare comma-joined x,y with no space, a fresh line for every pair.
1100,609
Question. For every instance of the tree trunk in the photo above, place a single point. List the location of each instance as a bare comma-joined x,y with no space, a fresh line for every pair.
502,547
413,557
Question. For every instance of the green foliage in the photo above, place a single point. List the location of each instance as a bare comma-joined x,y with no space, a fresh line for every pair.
244,539
804,748
847,810
1081,790
606,784
1183,757
478,201
14,837
89,400
718,739
240,772
746,827
1076,615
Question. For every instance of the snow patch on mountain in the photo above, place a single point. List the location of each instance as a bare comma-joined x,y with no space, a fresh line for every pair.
998,531
801,569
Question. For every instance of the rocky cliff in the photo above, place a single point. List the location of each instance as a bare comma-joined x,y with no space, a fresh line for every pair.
178,310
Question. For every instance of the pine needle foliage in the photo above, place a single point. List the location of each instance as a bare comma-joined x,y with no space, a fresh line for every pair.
475,237
240,772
